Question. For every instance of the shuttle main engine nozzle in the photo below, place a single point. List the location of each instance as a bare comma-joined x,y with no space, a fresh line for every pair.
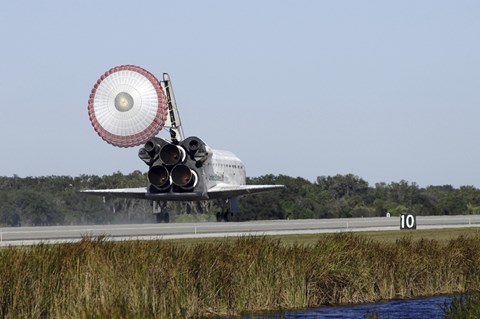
172,154
184,177
159,177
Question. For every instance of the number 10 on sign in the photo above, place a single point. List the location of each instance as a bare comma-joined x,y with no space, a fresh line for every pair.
408,221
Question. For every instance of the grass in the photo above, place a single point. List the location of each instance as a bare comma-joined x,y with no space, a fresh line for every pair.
463,307
95,278
441,235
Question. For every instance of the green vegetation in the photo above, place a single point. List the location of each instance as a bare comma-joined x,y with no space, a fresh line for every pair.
463,307
95,278
440,235
54,200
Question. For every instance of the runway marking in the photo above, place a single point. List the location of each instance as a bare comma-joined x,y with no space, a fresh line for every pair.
198,230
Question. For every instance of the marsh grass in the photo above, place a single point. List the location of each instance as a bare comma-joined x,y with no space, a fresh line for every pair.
463,307
96,278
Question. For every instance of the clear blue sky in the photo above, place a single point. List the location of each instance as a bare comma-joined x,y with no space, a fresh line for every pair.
386,90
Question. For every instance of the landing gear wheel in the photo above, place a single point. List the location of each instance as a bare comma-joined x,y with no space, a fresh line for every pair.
225,216
163,217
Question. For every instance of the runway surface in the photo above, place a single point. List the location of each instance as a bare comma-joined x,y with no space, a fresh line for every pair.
54,234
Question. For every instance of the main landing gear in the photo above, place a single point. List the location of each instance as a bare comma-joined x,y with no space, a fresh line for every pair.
162,217
224,216
160,211
229,207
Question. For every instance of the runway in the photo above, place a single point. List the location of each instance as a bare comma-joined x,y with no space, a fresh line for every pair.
57,234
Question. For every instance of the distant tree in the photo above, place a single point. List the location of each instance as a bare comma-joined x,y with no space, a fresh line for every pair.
343,185
51,200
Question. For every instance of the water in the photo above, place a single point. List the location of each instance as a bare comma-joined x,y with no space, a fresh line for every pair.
430,308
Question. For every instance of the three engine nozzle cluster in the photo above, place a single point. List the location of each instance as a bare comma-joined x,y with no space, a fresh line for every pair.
173,166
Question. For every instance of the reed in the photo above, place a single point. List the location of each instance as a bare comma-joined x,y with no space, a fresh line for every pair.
96,278
463,307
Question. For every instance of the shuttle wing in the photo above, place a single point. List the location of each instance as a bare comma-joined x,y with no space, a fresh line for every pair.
227,190
141,193
218,191
118,192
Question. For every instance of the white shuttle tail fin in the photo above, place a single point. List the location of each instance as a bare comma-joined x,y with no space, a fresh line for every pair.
173,118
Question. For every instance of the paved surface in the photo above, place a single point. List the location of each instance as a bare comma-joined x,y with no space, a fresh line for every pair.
52,234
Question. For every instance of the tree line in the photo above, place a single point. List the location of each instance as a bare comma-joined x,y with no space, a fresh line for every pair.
54,200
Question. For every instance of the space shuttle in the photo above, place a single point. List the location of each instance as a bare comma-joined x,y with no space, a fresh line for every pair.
128,107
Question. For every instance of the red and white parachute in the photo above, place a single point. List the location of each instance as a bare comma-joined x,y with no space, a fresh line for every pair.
127,106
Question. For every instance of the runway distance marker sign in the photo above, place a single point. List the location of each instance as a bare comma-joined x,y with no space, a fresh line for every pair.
408,221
